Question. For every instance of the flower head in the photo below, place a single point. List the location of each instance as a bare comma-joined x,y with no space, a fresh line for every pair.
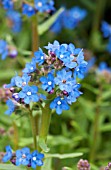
14,20
44,5
3,49
64,80
28,10
29,93
48,83
7,4
23,156
8,154
39,56
36,159
11,106
59,104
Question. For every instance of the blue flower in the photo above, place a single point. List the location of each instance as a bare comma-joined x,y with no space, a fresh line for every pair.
106,29
73,16
82,64
30,67
103,67
48,83
28,10
23,156
59,104
29,94
53,47
3,49
61,53
11,106
36,159
8,154
39,56
44,5
74,94
7,4
19,81
14,18
109,46
64,80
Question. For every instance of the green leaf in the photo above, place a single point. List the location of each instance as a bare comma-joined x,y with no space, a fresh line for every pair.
43,145
10,167
47,24
47,163
64,156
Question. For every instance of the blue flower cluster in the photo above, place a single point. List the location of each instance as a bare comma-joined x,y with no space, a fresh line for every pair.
55,72
7,50
7,4
69,19
23,157
39,6
106,29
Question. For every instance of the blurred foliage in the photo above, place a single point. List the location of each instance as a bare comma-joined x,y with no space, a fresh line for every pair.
86,128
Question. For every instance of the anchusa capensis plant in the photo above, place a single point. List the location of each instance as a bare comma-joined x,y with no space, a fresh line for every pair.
49,82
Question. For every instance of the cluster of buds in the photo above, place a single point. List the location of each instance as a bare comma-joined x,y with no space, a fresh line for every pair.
83,165
108,167
5,93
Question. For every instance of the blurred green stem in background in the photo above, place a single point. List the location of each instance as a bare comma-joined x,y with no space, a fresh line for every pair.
35,35
96,134
98,13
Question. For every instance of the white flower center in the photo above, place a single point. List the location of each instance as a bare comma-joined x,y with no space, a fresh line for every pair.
34,158
39,4
61,56
31,68
49,83
76,15
23,156
28,93
42,57
59,102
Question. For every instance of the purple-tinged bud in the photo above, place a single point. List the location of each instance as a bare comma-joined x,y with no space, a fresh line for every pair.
109,164
16,97
2,131
52,91
65,93
52,54
13,161
29,165
22,101
83,165
12,51
12,89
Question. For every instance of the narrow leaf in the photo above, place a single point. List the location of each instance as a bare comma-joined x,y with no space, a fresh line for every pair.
64,156
47,24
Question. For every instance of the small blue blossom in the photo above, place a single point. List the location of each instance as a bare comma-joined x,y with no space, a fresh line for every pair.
53,47
74,94
48,82
44,5
106,29
59,104
8,154
39,56
23,156
109,46
19,81
14,18
11,107
64,80
81,67
28,10
103,67
29,94
30,67
36,159
61,53
7,4
3,49
73,16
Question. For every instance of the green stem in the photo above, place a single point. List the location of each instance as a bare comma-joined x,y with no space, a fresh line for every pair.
35,35
33,129
45,123
96,134
99,10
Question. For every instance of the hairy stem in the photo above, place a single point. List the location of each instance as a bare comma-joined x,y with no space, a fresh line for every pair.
33,129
